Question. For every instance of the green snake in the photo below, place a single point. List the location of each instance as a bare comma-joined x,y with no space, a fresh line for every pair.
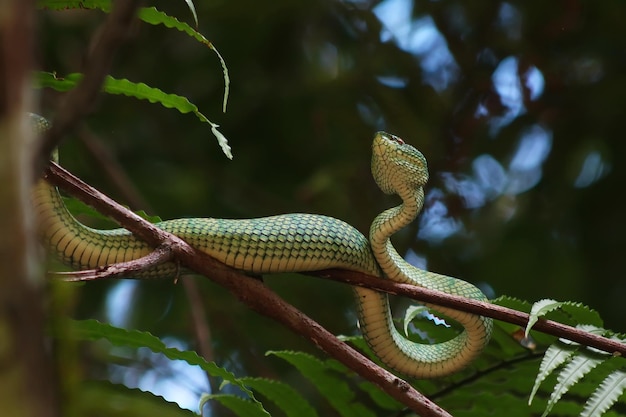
299,243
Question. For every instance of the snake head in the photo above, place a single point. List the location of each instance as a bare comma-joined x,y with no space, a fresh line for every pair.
396,165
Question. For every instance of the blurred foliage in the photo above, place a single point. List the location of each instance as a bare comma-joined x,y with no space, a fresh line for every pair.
468,83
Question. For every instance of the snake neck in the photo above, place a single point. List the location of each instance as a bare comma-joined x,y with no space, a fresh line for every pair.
386,224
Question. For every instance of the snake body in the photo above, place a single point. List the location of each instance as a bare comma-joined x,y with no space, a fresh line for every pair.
297,243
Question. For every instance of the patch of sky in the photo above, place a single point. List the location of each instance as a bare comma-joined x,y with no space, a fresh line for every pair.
525,168
593,168
488,181
509,20
435,222
419,37
174,380
118,303
418,261
370,114
507,83
490,175
393,81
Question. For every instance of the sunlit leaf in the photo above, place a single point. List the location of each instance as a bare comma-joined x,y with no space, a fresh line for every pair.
540,309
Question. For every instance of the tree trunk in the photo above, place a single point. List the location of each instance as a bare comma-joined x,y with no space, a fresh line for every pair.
26,384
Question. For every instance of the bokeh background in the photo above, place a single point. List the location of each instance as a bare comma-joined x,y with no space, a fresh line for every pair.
518,106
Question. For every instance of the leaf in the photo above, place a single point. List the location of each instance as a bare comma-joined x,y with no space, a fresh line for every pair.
381,398
137,90
578,367
412,312
151,16
103,398
192,9
283,395
539,309
240,406
94,330
582,314
605,395
104,5
555,356
334,389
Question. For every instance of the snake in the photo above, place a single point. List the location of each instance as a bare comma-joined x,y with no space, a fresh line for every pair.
301,242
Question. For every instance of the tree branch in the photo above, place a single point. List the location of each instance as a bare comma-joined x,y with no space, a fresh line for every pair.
161,254
251,292
481,308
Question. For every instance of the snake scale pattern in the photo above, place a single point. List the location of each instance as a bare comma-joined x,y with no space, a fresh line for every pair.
298,243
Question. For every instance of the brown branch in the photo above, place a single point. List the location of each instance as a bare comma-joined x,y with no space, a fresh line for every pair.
481,308
251,292
78,102
163,253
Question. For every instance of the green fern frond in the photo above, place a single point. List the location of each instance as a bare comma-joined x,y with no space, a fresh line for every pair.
583,314
137,90
411,313
284,396
540,309
192,9
606,395
151,16
331,385
555,356
95,330
240,406
578,367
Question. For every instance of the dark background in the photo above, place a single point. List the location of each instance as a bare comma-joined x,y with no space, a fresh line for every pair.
518,107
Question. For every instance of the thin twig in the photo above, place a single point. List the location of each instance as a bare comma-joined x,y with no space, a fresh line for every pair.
78,102
251,292
111,169
160,255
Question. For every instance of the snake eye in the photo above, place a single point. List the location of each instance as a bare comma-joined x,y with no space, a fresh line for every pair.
392,138
396,139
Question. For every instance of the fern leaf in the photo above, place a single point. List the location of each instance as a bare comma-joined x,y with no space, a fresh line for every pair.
152,16
138,90
382,399
240,406
95,330
192,9
412,312
555,356
333,388
540,309
283,395
583,314
578,367
605,395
